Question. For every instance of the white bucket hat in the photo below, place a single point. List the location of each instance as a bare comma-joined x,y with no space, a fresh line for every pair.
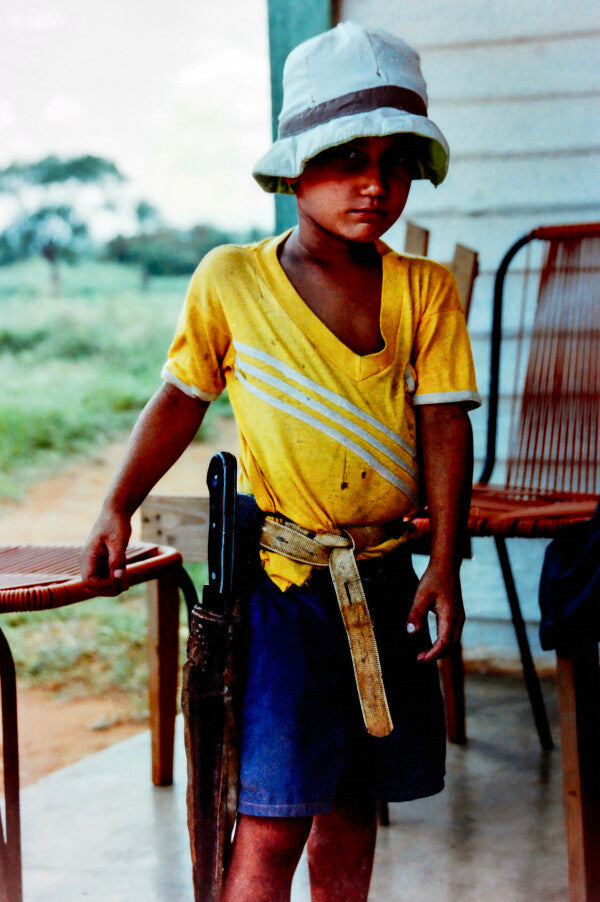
349,83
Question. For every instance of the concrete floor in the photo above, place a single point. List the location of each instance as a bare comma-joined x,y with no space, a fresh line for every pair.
99,831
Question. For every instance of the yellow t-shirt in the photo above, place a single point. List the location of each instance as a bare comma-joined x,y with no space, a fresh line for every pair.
327,436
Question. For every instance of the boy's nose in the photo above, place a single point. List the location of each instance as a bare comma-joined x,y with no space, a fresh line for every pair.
374,182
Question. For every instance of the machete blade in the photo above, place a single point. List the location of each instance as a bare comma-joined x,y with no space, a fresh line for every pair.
222,486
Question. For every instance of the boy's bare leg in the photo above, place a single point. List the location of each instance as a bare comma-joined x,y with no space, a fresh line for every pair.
266,852
341,847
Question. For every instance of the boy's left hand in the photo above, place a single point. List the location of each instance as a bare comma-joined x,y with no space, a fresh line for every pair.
438,591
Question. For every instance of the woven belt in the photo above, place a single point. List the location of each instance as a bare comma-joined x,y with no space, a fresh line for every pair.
337,553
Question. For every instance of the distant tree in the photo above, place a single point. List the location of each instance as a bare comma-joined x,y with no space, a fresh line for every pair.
54,232
47,220
172,252
148,217
52,171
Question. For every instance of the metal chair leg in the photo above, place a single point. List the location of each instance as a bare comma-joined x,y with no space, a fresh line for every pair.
11,880
531,678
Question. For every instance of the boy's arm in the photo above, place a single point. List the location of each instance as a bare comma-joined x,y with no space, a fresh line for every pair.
447,458
163,431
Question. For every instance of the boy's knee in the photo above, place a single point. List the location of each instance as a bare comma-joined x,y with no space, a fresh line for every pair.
348,823
353,805
280,839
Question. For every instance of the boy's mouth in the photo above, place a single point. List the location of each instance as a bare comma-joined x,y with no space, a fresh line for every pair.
368,212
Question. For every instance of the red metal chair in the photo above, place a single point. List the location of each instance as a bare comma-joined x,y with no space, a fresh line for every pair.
552,356
39,577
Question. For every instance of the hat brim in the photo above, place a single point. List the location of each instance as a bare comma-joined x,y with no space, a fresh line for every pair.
288,156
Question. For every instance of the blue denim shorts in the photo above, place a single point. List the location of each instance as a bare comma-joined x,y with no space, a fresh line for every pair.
303,740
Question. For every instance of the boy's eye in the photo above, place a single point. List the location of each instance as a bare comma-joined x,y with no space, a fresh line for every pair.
344,154
348,153
351,157
398,159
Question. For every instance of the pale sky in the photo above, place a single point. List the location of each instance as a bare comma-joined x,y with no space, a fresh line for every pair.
175,92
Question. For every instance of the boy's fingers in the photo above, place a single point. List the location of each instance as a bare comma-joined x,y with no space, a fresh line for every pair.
442,642
105,585
449,626
446,602
418,612
103,568
440,647
94,562
117,564
116,561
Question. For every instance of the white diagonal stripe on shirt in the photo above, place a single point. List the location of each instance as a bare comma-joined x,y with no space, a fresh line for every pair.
338,400
332,433
249,369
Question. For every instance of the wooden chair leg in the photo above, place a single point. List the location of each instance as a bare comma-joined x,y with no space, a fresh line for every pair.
453,683
531,678
11,881
578,700
163,667
383,813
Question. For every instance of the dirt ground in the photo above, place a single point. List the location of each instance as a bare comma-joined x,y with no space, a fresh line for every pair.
54,732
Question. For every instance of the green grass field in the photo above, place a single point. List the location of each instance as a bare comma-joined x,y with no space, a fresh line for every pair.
75,370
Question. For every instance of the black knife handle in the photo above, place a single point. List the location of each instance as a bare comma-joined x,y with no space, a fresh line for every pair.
222,490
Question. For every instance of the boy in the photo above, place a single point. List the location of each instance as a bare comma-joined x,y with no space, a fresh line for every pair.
342,359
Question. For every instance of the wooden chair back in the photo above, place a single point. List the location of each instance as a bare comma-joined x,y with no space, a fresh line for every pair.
183,518
464,265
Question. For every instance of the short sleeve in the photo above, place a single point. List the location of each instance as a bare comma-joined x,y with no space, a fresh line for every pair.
442,356
195,362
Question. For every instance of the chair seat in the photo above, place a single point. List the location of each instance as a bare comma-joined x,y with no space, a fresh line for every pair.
500,511
36,577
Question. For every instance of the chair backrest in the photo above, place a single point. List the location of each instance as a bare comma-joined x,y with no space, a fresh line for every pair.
464,265
547,323
465,268
416,239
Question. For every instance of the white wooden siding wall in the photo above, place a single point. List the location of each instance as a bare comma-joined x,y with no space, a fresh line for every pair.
515,87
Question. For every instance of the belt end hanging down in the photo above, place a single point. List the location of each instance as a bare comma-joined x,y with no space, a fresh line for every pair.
375,711
337,552
380,730
361,638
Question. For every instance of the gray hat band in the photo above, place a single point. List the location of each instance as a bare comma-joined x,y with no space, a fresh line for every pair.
356,102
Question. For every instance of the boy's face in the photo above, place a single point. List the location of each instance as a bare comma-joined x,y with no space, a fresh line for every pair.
357,190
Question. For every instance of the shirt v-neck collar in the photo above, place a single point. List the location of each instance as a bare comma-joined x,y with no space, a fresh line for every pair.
356,366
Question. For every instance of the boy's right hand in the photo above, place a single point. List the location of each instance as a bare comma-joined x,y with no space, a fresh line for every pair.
166,426
103,555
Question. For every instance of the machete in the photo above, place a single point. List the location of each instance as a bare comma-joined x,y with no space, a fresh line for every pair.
208,679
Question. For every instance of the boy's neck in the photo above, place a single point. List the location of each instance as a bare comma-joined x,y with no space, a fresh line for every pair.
341,282
317,247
